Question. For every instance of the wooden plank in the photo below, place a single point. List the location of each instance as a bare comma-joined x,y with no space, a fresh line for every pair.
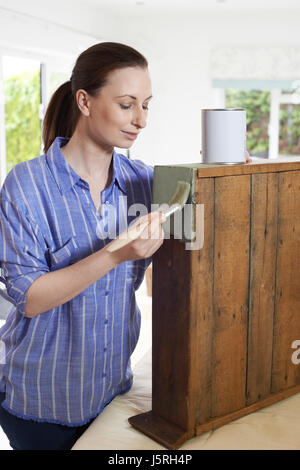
264,207
171,333
201,308
248,168
287,313
270,400
162,431
231,278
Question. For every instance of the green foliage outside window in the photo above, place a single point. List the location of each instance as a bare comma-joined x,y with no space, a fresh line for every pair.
22,123
257,105
289,139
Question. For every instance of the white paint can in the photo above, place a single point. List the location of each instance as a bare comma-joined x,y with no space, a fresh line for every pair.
224,136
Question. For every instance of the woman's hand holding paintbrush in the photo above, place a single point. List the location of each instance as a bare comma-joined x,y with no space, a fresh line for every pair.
143,238
149,227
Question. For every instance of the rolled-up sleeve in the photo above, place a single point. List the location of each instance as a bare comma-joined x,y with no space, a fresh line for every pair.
22,251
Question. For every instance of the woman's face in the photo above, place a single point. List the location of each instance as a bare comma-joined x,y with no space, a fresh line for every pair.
118,113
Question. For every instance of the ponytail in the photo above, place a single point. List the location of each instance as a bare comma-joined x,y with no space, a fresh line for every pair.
61,116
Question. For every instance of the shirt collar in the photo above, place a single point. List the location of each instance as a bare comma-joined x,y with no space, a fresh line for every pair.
64,174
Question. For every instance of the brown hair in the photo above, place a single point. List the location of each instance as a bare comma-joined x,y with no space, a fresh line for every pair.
90,74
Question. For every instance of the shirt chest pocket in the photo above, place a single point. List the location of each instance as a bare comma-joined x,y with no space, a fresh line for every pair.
64,255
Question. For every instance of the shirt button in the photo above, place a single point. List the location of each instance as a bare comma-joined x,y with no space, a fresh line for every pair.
106,292
103,375
106,321
104,349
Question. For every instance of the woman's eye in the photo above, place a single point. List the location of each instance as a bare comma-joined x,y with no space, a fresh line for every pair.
125,106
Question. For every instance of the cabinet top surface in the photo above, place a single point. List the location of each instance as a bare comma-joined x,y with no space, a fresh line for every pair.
271,165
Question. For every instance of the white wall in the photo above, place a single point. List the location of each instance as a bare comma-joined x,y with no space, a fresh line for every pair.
179,49
56,31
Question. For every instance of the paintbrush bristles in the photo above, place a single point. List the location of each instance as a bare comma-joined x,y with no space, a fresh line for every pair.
181,194
178,199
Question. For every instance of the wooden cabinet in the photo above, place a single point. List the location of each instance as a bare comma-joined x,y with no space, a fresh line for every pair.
225,317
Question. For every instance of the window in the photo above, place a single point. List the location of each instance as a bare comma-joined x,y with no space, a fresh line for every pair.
26,87
273,114
22,100
289,136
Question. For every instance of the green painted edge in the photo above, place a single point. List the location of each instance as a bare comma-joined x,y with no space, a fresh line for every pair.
166,176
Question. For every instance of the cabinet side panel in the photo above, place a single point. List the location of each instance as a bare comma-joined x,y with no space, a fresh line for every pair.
231,282
264,208
171,333
201,307
285,373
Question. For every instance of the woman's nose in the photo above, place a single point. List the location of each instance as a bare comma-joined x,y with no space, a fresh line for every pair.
140,118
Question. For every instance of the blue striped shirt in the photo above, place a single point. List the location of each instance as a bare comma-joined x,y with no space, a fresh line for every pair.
64,365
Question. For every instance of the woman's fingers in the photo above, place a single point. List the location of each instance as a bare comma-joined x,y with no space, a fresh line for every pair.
157,238
154,225
141,240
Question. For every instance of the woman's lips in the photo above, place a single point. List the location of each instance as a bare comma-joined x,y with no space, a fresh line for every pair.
130,135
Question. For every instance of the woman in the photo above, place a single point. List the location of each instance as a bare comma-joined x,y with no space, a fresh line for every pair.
75,322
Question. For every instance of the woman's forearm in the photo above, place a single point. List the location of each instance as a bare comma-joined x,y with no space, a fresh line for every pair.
57,287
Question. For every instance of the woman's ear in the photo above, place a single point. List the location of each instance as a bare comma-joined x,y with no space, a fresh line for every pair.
83,103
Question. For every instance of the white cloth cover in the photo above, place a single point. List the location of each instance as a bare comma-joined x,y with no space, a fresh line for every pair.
274,427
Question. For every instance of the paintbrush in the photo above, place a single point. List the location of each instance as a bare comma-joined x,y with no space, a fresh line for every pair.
175,204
